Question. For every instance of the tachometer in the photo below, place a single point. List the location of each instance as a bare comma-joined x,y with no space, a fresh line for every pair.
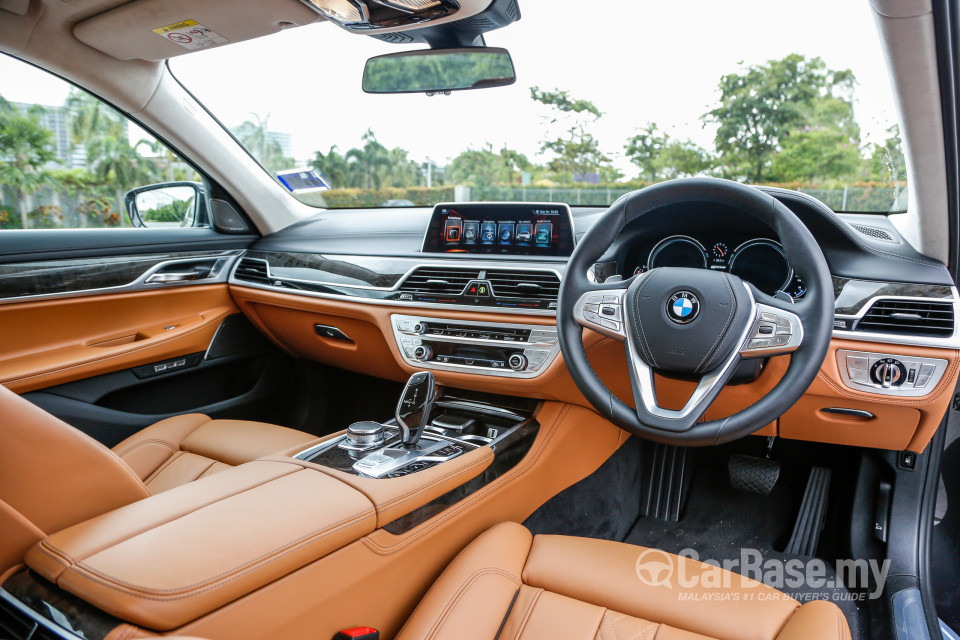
763,264
678,251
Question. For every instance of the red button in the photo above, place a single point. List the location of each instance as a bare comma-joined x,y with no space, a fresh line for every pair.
358,633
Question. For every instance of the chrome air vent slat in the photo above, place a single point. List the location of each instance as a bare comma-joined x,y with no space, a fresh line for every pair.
253,270
539,285
439,280
921,318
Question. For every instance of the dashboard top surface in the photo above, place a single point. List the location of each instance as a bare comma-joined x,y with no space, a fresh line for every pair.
856,246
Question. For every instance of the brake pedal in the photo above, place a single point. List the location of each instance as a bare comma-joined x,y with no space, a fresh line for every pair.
813,513
756,475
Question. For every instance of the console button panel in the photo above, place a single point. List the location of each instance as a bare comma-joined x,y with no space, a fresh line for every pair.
488,348
889,374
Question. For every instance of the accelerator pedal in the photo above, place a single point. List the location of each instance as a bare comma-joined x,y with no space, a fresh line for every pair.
756,475
813,513
666,481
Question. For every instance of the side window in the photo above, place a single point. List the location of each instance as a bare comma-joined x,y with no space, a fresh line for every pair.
69,161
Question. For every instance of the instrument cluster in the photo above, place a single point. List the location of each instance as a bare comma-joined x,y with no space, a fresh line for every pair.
759,261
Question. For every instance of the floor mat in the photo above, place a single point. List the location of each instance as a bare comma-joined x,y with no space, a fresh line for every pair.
720,521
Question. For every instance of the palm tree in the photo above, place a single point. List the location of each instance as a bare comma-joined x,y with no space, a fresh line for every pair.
332,166
367,160
25,147
114,160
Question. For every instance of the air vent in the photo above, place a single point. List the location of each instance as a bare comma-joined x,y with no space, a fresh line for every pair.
909,317
252,270
439,280
875,233
538,285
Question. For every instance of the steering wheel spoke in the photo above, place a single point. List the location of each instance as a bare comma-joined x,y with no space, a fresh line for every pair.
602,310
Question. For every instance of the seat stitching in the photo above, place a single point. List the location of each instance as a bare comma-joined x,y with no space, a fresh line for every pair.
161,595
156,472
477,496
170,519
529,612
139,444
462,591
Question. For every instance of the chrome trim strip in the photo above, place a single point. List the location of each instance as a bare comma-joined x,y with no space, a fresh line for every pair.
140,284
869,303
439,264
400,303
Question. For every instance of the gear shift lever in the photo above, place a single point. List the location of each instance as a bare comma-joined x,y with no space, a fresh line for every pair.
413,410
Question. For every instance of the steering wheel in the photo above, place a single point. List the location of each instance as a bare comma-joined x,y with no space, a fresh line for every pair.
695,323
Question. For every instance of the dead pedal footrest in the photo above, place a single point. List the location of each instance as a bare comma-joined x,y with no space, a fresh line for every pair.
813,512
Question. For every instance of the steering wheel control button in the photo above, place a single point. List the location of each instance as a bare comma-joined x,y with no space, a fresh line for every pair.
683,307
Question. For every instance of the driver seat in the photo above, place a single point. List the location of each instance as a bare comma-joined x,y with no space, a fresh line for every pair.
510,585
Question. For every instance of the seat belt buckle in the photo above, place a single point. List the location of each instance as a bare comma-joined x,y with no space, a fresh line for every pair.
358,633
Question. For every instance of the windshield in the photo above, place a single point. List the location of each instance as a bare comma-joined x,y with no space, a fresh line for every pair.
766,94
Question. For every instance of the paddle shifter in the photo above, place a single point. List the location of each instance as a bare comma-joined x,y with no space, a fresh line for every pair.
413,410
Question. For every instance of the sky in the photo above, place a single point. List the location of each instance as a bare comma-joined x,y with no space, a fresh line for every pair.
638,61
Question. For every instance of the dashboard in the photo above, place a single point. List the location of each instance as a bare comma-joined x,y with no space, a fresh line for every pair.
758,260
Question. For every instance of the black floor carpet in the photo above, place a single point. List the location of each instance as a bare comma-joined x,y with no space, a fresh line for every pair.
720,521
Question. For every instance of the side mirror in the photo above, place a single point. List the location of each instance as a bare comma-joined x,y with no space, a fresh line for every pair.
168,204
439,70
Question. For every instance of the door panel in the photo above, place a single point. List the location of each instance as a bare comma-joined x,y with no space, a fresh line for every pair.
51,342
116,405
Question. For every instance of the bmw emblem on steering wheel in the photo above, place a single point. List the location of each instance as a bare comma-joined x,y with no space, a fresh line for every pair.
683,307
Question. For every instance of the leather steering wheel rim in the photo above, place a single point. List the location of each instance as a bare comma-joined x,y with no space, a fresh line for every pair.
815,310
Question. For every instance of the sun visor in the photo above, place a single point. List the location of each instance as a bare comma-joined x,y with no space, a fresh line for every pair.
161,29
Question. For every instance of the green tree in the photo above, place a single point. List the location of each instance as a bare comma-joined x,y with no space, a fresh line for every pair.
887,161
576,151
486,167
368,161
762,105
115,161
25,147
332,166
659,157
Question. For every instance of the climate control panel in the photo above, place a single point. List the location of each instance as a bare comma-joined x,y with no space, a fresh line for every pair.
889,374
489,348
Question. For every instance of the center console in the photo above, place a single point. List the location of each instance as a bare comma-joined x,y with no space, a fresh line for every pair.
489,348
450,428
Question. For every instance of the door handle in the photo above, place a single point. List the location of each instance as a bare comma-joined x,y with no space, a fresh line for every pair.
160,278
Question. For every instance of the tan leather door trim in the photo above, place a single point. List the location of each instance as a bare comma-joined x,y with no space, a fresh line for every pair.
57,341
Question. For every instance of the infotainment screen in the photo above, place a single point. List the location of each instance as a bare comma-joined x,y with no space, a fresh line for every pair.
508,228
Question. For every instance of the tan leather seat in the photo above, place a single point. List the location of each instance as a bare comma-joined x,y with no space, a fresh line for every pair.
53,476
184,448
511,585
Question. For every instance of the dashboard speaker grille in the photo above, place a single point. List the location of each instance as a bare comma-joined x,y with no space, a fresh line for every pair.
439,280
873,232
538,285
252,270
919,318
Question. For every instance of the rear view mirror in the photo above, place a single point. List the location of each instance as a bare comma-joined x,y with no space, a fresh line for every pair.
169,204
439,70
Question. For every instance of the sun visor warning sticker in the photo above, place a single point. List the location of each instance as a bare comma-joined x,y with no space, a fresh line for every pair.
190,35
